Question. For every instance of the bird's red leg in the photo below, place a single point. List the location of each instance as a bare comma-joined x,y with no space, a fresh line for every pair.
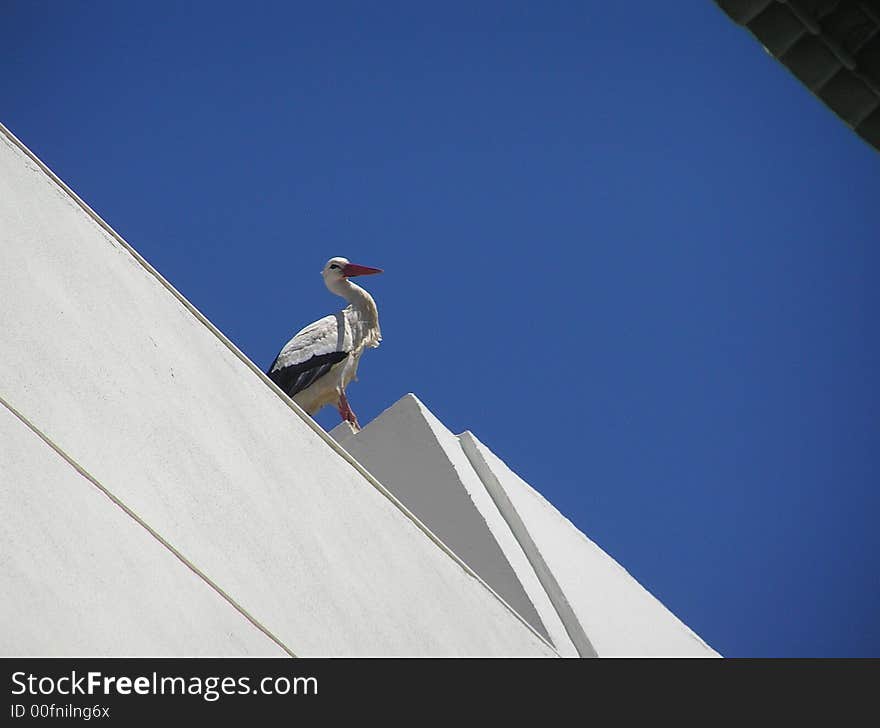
347,413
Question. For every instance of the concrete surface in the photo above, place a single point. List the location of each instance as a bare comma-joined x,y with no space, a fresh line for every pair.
81,577
620,617
534,557
422,463
113,367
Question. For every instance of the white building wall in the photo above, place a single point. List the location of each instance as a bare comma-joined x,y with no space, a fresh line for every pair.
556,577
114,369
619,616
423,464
81,577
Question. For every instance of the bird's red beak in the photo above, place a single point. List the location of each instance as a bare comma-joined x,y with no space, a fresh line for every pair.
350,270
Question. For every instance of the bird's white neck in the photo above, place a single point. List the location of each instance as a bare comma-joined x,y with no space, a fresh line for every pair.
352,293
363,304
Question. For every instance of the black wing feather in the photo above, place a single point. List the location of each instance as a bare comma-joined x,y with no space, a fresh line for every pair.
296,377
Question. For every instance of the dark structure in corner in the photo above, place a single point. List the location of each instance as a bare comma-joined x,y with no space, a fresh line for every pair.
832,46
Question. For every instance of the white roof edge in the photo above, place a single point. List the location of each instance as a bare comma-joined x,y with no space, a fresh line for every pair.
554,591
201,318
472,444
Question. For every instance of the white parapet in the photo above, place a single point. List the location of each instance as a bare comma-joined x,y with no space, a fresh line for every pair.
156,485
559,580
619,616
422,462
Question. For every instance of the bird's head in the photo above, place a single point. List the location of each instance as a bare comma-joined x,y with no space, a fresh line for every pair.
338,268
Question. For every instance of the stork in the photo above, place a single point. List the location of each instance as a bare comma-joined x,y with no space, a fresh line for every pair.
317,364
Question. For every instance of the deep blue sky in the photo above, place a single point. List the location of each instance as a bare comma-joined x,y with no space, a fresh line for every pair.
623,246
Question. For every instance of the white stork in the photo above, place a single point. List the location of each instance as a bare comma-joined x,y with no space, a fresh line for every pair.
316,365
